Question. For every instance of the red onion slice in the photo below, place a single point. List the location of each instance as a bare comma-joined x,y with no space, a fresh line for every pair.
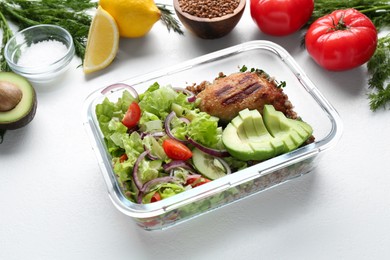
147,186
132,90
136,180
190,96
149,154
208,150
178,164
167,126
154,134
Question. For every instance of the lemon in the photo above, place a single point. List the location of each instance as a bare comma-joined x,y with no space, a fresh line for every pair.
102,43
135,18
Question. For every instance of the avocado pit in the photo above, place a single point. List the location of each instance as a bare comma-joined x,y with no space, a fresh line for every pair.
10,96
18,101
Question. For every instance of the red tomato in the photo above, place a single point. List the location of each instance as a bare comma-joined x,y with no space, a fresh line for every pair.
281,17
176,150
196,181
132,115
342,40
123,158
156,197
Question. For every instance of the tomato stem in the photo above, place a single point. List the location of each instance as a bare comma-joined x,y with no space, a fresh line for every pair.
340,25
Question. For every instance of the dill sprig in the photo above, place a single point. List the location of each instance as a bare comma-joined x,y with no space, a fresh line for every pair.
69,14
7,34
379,69
168,19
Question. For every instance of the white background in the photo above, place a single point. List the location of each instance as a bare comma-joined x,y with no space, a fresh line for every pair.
54,203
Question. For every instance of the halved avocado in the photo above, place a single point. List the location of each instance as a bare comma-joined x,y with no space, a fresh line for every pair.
18,101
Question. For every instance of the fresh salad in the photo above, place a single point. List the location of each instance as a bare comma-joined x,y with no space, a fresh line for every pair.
161,144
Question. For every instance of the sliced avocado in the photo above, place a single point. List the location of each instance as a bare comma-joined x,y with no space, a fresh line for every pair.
207,165
247,138
250,136
18,101
292,132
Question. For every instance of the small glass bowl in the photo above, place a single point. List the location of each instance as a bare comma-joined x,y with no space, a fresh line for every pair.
40,53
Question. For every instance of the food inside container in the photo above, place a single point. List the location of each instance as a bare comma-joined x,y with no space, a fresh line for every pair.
165,154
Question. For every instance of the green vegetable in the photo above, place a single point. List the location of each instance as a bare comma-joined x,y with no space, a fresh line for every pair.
250,136
379,70
156,103
378,66
207,165
7,34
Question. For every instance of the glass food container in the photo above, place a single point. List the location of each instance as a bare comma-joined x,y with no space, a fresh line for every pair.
308,102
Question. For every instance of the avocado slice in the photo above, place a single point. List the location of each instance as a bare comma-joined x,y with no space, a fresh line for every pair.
18,101
247,138
251,136
292,132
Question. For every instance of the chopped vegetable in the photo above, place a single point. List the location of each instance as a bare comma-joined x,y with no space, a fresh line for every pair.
176,150
145,158
132,115
172,148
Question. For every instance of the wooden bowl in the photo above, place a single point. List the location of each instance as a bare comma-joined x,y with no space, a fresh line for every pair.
210,28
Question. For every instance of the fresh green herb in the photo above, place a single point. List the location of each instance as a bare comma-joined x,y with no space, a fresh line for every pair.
377,10
379,69
243,68
69,14
262,73
282,84
167,18
7,34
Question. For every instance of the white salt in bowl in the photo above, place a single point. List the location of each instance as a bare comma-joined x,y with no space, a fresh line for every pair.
40,53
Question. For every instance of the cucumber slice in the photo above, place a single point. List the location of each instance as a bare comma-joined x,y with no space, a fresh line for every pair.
207,165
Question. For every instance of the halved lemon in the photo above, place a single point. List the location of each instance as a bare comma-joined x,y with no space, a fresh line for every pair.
102,43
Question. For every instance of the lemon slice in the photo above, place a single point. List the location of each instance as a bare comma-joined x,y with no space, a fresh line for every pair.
102,43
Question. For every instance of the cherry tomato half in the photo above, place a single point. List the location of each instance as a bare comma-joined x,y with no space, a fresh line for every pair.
132,115
281,17
342,40
196,181
176,150
123,158
156,197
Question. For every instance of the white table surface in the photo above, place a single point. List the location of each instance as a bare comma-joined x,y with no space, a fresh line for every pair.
54,203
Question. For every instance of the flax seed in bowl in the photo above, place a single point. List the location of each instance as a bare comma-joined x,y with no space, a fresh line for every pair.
209,19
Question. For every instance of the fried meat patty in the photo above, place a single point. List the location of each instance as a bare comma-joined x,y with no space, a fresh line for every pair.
227,96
